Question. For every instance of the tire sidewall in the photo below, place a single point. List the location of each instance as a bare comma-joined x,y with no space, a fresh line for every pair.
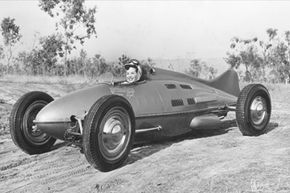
243,112
16,122
264,94
92,129
30,106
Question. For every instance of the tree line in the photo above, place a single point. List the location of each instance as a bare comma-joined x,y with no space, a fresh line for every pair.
255,59
262,60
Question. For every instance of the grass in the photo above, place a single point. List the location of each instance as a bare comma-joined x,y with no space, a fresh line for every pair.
45,79
72,79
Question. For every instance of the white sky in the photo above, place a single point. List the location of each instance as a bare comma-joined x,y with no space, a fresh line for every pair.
161,29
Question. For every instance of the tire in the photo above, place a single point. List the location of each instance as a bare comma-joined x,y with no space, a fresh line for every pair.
108,132
253,110
22,115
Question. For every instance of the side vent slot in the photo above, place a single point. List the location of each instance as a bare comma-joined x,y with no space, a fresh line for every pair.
185,86
177,102
170,86
190,101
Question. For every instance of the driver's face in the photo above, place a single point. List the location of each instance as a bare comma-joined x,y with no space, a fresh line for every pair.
131,75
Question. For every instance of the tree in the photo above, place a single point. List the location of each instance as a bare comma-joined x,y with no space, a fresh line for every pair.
233,60
43,59
51,49
1,52
272,33
245,52
252,61
101,64
200,69
11,35
75,22
150,62
118,68
263,60
209,72
265,47
195,68
2,69
287,39
124,59
279,61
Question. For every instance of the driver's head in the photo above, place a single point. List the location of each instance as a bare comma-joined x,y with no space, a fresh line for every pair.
133,71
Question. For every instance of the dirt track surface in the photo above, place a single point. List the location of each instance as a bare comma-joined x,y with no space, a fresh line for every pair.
213,161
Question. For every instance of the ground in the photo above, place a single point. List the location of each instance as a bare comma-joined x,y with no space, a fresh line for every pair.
210,161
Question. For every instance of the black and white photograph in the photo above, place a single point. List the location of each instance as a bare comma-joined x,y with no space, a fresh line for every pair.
168,96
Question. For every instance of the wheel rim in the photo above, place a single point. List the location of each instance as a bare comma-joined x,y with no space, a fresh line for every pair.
258,110
114,134
30,131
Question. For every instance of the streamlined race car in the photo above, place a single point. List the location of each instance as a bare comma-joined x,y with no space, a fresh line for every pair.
104,119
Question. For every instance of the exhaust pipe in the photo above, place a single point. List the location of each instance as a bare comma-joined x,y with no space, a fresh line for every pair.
209,121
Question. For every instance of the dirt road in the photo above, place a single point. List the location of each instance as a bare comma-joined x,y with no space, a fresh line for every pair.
213,161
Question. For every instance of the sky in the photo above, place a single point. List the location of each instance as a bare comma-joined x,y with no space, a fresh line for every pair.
160,29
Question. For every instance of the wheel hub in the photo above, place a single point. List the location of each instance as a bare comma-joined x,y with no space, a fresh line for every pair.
30,130
115,133
258,110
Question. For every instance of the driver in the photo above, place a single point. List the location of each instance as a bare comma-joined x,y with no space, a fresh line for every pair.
133,71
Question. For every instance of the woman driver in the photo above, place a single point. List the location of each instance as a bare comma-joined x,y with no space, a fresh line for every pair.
133,71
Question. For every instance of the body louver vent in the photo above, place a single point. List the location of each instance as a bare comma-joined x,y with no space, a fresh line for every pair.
177,102
170,86
185,86
191,101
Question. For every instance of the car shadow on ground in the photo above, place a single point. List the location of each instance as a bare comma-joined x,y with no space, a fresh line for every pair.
271,127
147,148
60,144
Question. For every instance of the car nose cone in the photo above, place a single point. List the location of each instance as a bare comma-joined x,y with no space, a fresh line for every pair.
77,103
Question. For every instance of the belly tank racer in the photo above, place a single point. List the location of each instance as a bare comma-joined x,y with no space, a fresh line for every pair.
104,119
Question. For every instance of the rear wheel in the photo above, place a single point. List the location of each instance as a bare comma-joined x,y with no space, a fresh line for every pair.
22,129
108,133
253,110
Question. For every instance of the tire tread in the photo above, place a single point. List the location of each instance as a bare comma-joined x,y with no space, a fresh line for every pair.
18,108
241,110
94,117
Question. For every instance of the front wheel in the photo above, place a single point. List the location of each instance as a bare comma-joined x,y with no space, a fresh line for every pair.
108,132
22,130
253,110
